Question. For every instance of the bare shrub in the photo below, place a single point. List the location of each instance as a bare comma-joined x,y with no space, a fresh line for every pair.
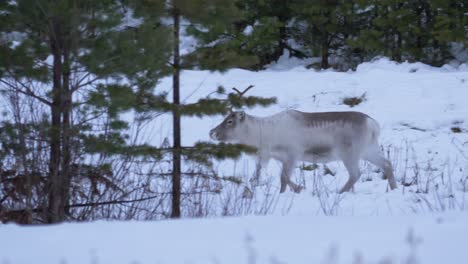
354,100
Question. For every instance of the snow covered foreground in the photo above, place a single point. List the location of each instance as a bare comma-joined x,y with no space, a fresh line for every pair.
424,221
261,239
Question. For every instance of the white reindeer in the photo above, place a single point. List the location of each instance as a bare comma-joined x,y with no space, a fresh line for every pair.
292,136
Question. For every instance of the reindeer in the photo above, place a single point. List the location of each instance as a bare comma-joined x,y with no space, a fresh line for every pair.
291,136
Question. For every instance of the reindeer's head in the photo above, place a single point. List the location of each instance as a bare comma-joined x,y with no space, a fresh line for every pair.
230,129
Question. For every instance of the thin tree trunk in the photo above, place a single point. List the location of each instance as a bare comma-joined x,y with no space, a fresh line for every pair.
66,129
55,203
398,42
398,46
281,42
325,52
15,100
176,154
419,42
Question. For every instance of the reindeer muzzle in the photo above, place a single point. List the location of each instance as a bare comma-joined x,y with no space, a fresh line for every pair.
214,135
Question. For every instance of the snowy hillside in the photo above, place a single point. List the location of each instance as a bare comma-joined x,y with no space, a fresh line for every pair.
423,113
416,105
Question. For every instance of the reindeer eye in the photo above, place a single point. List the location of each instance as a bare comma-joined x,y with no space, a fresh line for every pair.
229,122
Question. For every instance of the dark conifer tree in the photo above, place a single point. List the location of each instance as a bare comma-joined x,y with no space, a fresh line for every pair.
323,27
213,24
268,24
83,63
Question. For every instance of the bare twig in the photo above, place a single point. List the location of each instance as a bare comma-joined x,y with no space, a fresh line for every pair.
28,91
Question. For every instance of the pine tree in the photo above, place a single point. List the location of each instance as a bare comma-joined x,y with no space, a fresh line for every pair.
323,27
270,31
217,27
211,22
84,63
450,25
421,30
388,26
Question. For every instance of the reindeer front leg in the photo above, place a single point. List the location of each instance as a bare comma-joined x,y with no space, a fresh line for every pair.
288,167
262,161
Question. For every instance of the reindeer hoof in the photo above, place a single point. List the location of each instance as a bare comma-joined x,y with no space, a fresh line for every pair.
297,188
283,188
343,190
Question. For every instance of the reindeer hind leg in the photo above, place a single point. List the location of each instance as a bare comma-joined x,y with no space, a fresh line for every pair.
375,157
286,172
352,166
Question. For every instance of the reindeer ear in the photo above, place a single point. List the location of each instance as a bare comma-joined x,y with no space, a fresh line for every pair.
241,115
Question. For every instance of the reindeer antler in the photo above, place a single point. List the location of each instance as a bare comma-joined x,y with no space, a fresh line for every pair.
240,94
243,92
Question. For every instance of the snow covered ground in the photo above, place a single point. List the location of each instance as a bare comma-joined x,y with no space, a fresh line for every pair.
424,221
416,105
249,240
